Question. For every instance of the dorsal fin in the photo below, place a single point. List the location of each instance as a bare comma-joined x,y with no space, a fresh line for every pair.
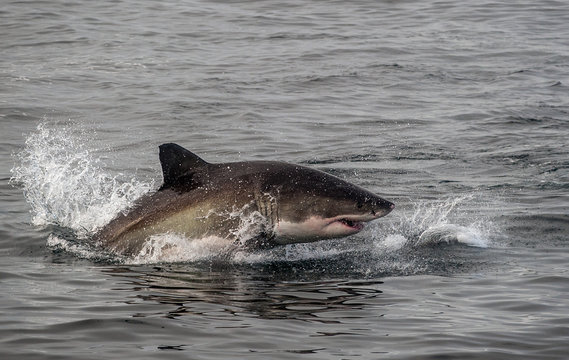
178,163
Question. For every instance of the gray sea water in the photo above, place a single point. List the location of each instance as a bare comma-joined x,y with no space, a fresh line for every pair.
456,111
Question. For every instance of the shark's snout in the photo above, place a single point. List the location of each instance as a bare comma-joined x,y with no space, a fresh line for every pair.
389,206
381,207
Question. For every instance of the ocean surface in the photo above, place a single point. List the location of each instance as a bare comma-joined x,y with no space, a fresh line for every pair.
458,112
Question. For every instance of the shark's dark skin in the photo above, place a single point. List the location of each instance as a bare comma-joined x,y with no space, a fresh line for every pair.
199,199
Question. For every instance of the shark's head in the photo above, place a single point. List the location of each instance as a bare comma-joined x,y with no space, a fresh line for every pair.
314,205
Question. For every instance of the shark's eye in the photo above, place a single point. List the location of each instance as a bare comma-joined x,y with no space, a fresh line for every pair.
360,205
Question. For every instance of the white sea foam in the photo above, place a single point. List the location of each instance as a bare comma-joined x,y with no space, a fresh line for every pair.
392,242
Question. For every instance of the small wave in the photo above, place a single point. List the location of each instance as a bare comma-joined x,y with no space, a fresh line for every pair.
453,234
82,250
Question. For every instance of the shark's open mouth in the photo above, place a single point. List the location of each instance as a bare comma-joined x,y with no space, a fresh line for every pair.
355,225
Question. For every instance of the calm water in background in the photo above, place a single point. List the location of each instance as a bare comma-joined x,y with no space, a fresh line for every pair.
458,112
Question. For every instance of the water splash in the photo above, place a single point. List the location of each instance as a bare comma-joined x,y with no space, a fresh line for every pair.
436,222
453,234
66,185
172,247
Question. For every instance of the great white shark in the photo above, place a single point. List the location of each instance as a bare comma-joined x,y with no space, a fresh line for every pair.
197,199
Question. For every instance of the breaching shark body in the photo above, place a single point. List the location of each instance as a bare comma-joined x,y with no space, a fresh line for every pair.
291,204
